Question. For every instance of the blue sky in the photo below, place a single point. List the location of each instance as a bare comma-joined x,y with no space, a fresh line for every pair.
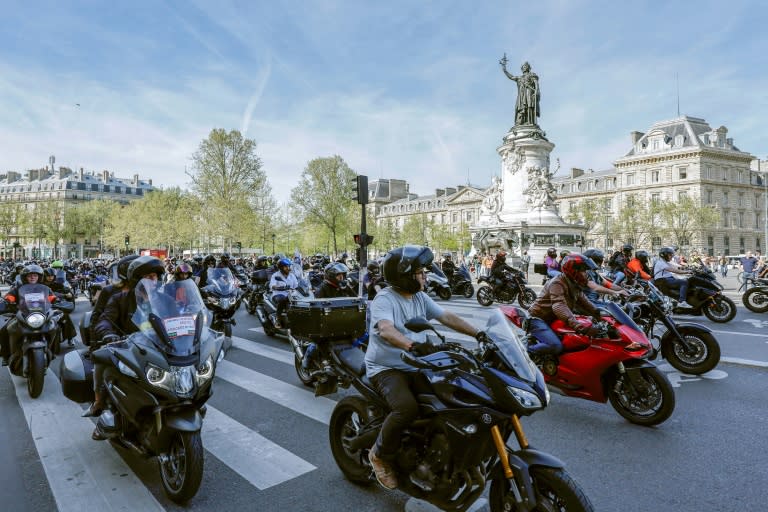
410,90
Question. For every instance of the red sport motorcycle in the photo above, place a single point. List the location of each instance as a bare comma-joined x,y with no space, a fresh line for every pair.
613,366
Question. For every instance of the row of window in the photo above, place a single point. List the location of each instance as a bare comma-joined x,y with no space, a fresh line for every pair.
468,216
410,207
71,185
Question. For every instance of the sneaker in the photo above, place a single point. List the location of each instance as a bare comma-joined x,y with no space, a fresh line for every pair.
683,304
383,471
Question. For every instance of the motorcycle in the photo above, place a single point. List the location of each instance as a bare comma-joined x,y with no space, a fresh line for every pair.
461,282
688,347
612,366
437,282
156,381
222,297
258,286
756,298
41,335
513,287
705,294
95,284
267,310
470,404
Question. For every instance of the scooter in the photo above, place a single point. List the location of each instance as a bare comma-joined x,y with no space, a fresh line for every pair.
705,294
437,283
461,282
613,366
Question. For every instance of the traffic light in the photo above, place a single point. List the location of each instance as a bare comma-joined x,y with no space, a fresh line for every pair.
127,240
359,239
239,246
360,190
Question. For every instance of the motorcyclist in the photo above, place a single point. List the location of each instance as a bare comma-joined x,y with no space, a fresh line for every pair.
335,282
619,262
115,322
10,333
372,279
64,292
405,270
119,283
448,267
597,284
262,263
499,270
557,300
638,266
553,266
663,270
281,283
208,262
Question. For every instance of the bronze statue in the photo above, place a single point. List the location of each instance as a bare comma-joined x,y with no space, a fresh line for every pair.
528,94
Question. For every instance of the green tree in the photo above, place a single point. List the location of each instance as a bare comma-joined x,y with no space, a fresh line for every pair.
324,196
12,216
684,218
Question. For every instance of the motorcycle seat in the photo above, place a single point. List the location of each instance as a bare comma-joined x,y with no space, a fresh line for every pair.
353,358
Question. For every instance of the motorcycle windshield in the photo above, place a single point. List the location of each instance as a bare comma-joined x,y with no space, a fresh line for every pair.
61,277
172,316
510,347
464,271
616,312
221,282
437,270
33,298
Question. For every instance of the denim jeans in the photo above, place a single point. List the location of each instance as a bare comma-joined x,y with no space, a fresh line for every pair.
678,284
548,342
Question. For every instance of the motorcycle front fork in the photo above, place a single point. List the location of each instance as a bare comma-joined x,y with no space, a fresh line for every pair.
501,448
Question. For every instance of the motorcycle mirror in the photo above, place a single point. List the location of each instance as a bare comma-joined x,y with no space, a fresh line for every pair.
418,324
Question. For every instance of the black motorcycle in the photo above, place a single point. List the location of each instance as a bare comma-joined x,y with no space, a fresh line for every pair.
756,297
41,335
506,290
222,297
437,282
257,287
461,282
689,347
267,310
470,404
705,294
157,381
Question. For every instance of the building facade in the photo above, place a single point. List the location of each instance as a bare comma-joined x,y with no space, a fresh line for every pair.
38,186
674,159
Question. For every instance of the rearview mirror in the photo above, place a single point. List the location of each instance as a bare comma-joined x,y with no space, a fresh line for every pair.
418,324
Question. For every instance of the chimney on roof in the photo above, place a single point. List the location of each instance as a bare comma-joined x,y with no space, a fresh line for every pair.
449,191
105,176
439,192
34,174
62,173
635,136
135,181
80,174
576,172
150,182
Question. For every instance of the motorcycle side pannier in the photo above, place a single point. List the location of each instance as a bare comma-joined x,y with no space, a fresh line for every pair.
76,376
327,319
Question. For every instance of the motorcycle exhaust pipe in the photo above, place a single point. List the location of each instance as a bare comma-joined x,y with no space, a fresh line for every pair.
296,347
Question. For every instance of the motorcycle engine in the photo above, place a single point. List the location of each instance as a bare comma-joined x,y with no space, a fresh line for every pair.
429,468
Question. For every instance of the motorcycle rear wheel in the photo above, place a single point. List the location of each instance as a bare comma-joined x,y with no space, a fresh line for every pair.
36,372
182,473
721,311
650,405
485,295
756,300
305,376
705,357
527,298
250,306
347,420
555,490
468,290
444,293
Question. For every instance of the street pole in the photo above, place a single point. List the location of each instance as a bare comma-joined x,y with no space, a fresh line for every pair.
765,205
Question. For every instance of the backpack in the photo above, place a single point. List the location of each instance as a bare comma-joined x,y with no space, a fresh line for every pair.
615,262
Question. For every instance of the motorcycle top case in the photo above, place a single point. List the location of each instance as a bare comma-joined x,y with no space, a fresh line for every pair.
328,319
260,276
76,376
540,268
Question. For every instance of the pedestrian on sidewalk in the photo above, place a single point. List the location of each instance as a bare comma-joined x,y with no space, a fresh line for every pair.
723,262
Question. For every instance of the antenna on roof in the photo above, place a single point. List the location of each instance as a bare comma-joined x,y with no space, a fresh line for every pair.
677,80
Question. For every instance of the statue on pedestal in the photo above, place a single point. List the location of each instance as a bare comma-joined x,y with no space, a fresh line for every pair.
528,94
491,205
540,191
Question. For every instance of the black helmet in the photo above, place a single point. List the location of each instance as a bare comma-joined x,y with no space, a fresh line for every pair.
262,259
666,251
552,252
401,263
595,255
122,266
334,269
373,267
225,257
209,260
31,269
144,265
642,256
627,248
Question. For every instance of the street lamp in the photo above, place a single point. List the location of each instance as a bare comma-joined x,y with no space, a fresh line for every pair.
273,244
765,205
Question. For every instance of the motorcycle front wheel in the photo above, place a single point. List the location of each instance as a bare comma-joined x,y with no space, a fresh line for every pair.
647,399
756,300
250,306
485,296
554,488
35,372
468,291
527,298
347,420
704,355
182,470
722,310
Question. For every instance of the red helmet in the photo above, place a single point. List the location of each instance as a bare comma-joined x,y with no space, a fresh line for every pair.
574,264
501,255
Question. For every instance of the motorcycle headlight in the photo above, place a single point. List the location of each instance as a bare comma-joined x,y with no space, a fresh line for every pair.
205,371
179,380
126,370
526,399
159,377
224,303
35,320
184,381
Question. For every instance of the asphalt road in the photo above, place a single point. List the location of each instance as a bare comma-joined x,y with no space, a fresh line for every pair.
267,444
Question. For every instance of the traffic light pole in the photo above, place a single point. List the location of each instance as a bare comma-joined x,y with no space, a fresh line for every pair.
363,252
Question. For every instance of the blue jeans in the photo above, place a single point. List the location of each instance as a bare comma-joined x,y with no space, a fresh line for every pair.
619,277
548,342
552,272
678,284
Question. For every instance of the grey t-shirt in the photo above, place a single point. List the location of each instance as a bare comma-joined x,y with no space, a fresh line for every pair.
390,305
